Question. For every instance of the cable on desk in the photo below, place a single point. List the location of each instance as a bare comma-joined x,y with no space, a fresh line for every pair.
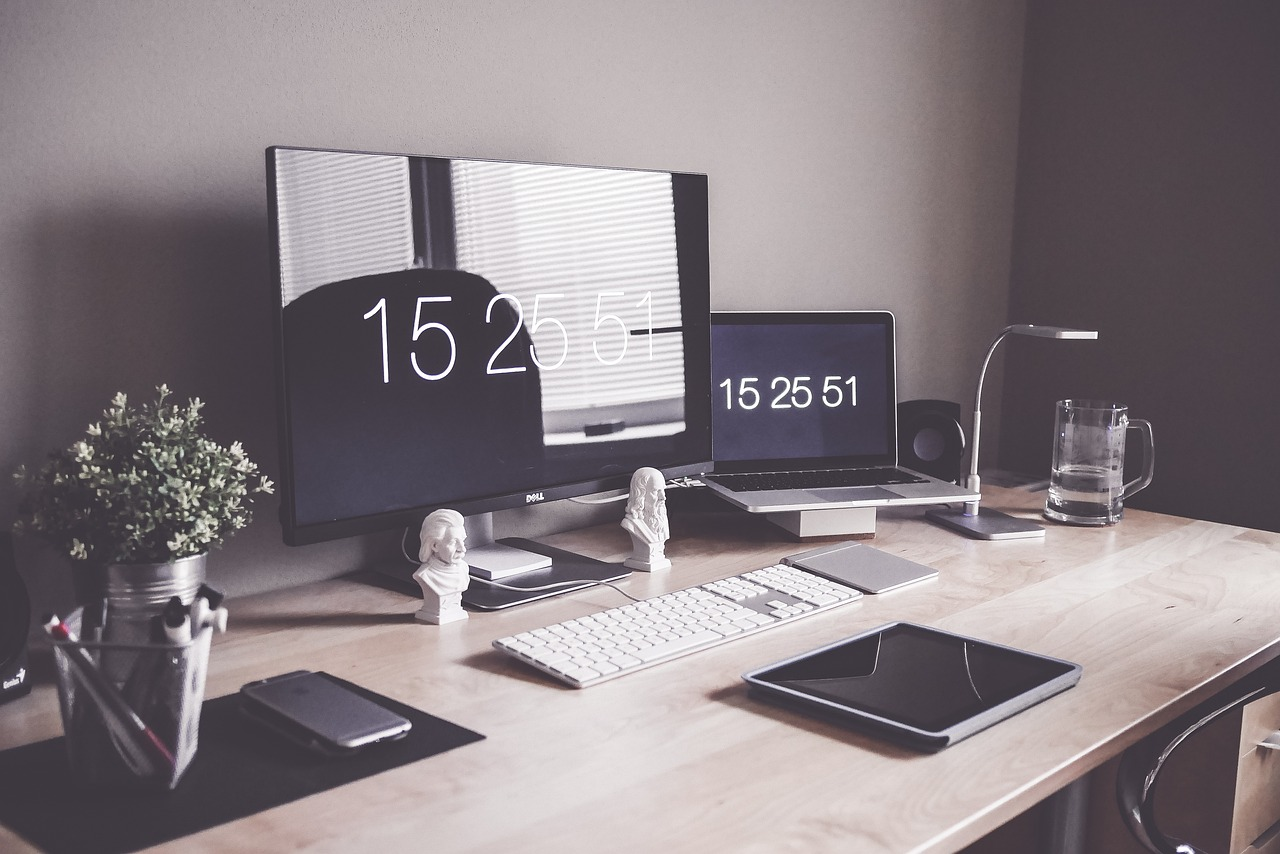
612,499
404,551
575,584
674,483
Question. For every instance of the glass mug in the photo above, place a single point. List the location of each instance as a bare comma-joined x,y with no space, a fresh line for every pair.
1086,484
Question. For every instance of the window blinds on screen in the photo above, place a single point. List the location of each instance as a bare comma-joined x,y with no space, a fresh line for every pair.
341,216
579,247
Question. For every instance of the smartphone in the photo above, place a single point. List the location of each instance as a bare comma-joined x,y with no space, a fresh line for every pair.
318,712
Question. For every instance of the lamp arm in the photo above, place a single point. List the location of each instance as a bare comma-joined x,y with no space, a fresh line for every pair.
974,482
994,525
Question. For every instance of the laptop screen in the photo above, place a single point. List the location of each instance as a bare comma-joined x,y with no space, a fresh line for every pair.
801,390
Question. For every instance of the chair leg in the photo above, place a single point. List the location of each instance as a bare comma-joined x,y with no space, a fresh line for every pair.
1141,764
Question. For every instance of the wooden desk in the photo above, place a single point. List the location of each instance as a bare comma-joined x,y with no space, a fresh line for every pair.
1162,612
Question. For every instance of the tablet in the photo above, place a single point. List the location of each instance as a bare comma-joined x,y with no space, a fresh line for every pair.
914,684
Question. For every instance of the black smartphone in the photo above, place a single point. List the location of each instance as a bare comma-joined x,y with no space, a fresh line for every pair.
318,712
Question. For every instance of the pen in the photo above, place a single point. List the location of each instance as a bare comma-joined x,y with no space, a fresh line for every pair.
145,751
160,667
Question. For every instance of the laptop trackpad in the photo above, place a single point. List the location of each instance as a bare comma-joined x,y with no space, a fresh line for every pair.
922,490
852,493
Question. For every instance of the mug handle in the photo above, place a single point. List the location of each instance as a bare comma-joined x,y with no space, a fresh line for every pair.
1148,459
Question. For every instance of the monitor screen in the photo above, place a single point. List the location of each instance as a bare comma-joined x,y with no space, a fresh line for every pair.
481,335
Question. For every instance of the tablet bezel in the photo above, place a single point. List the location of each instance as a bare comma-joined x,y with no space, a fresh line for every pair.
759,681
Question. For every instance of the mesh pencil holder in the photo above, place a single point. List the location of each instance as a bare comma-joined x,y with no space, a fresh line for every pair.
139,727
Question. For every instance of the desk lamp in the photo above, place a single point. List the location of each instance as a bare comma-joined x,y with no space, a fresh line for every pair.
982,523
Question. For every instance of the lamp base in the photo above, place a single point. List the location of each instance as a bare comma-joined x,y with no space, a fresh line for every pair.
986,525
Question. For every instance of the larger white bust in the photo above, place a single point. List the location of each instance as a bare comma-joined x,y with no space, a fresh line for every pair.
645,519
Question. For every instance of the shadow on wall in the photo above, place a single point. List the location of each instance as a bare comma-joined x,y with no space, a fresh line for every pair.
1147,207
124,300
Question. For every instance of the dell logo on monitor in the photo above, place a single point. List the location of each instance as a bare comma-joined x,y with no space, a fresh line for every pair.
534,497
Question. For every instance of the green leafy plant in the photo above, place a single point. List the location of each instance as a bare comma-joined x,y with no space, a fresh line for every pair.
145,485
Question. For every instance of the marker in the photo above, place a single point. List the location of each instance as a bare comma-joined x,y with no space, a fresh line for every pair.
213,597
199,615
175,623
145,751
207,610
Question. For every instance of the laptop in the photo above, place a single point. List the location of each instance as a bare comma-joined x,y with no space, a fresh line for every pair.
805,414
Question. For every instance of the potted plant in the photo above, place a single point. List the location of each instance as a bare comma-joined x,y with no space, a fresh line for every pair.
139,501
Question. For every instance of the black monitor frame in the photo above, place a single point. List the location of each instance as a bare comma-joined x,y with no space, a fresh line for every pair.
690,197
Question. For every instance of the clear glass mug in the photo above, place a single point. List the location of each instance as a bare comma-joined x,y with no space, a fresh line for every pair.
1086,483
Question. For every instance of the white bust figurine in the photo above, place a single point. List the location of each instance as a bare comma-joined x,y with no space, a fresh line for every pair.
443,575
645,519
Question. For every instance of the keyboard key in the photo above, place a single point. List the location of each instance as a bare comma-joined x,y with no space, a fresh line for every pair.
678,645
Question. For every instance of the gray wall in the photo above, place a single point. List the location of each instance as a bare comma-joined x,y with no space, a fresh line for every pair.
861,155
1148,207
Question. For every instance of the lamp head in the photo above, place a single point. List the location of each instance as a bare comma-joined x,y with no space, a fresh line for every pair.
1051,331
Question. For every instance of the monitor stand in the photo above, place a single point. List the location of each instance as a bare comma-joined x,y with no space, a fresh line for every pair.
856,522
535,566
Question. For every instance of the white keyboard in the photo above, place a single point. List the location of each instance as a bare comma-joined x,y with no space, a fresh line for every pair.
620,640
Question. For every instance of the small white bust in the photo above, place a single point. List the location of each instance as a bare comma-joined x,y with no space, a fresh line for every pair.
443,575
645,519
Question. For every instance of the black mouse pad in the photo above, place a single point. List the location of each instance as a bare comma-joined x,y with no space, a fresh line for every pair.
239,770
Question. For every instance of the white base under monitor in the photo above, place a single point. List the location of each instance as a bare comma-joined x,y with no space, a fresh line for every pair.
496,561
849,521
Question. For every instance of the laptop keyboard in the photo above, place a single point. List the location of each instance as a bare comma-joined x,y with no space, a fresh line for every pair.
821,479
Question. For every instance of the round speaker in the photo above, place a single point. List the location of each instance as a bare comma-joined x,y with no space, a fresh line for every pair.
15,622
930,438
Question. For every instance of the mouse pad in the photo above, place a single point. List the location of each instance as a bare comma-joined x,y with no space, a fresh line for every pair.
239,770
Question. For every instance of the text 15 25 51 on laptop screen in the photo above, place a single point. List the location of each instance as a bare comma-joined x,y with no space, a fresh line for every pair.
805,413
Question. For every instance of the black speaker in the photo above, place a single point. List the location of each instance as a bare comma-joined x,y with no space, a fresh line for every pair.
930,438
15,622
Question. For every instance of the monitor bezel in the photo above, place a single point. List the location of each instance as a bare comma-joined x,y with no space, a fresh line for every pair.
695,303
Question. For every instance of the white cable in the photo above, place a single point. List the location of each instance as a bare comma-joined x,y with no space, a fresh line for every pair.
610,500
558,584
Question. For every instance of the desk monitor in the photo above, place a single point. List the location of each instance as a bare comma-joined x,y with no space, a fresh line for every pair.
481,335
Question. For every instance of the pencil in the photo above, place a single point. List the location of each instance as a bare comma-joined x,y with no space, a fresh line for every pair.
146,752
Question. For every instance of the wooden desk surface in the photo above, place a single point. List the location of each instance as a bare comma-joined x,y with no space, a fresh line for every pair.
1161,612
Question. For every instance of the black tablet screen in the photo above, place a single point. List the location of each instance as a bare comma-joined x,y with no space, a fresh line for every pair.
916,676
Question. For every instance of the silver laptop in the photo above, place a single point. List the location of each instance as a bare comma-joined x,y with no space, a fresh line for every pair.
805,414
